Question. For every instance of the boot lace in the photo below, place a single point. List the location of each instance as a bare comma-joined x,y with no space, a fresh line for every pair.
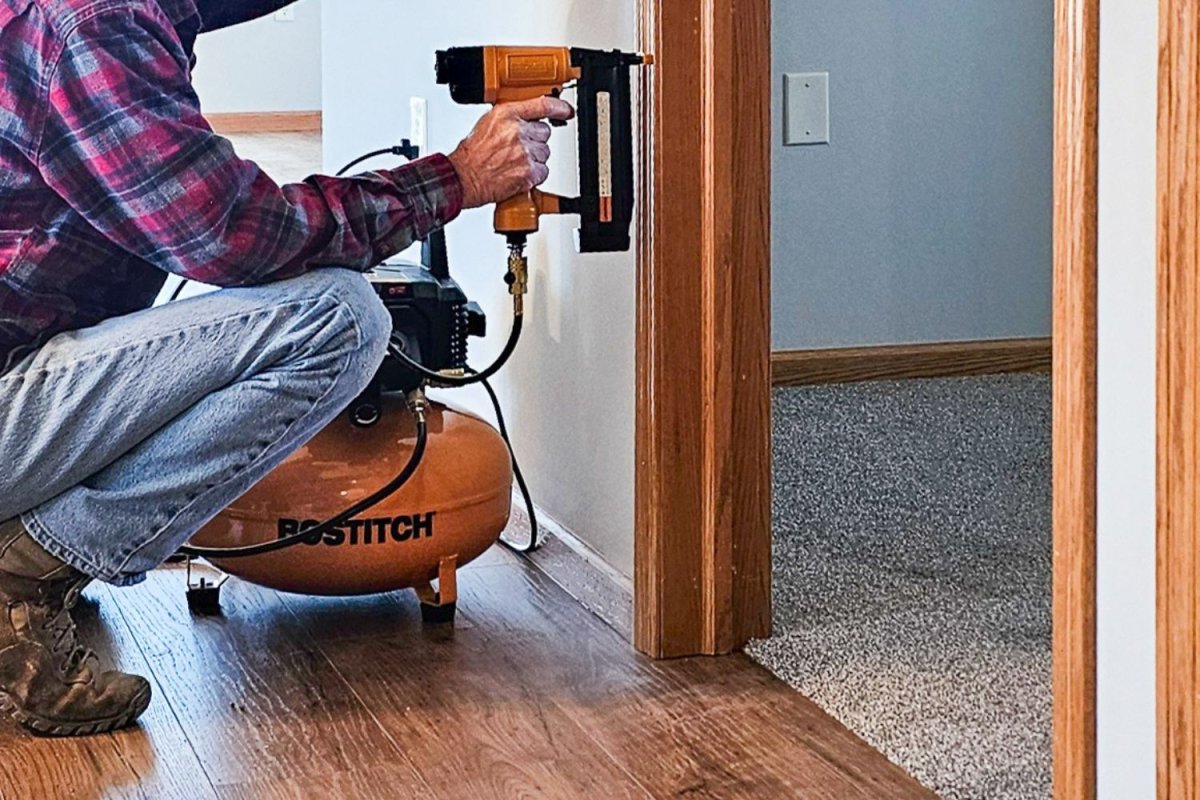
71,656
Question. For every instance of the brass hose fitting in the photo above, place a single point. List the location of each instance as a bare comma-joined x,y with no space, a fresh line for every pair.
418,403
518,270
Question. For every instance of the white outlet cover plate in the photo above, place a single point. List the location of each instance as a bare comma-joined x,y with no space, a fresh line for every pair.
806,108
418,110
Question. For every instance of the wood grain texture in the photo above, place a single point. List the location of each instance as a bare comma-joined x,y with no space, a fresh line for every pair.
668,604
892,362
742,358
527,696
154,762
392,782
568,684
1178,404
259,702
472,707
265,122
1074,415
703,375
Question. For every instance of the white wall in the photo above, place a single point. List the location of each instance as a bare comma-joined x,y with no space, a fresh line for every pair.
262,65
569,390
1126,468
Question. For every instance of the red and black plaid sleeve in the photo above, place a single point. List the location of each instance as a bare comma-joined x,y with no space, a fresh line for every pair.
125,145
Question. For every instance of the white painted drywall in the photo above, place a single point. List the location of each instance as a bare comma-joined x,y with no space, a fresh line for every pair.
1126,482
569,391
262,65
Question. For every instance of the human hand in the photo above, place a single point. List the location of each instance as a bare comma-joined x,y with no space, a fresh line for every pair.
506,154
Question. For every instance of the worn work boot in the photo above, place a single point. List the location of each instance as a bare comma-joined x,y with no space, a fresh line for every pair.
48,682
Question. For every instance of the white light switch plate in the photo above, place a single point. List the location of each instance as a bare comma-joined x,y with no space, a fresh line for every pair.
806,108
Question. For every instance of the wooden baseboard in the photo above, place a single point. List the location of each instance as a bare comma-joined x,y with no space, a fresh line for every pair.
573,565
938,360
266,122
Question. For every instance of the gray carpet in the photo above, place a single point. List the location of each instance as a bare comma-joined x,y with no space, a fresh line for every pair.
912,573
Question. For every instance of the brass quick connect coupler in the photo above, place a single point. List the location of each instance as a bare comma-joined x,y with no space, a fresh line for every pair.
418,404
518,270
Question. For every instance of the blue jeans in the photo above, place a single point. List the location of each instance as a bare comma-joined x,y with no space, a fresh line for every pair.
119,442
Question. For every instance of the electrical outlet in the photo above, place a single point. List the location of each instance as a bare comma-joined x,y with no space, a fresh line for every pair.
287,14
418,110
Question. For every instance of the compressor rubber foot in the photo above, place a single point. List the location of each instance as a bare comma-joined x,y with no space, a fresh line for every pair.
439,607
204,597
438,615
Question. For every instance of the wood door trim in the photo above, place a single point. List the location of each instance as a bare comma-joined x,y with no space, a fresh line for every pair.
893,362
1178,467
703,539
1076,170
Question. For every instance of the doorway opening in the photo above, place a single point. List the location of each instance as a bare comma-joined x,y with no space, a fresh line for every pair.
678,616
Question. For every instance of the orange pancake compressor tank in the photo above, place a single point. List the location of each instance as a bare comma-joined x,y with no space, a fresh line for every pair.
453,508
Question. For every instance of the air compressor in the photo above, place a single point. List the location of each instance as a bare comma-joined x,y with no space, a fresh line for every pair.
332,519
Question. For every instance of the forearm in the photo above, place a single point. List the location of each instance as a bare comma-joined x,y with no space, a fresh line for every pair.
355,222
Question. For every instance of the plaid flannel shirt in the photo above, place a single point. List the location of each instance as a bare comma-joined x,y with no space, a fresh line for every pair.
110,177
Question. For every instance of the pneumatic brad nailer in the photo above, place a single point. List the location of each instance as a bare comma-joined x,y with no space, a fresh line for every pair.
497,75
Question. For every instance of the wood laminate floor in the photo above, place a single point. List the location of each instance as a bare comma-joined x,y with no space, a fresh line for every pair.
527,696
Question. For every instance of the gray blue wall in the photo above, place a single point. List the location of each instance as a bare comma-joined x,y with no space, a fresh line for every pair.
928,217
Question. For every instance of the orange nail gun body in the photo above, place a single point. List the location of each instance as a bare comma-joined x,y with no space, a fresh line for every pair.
513,74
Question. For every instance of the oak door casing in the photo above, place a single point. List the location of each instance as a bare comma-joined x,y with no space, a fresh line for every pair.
703,430
1076,170
1178,403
